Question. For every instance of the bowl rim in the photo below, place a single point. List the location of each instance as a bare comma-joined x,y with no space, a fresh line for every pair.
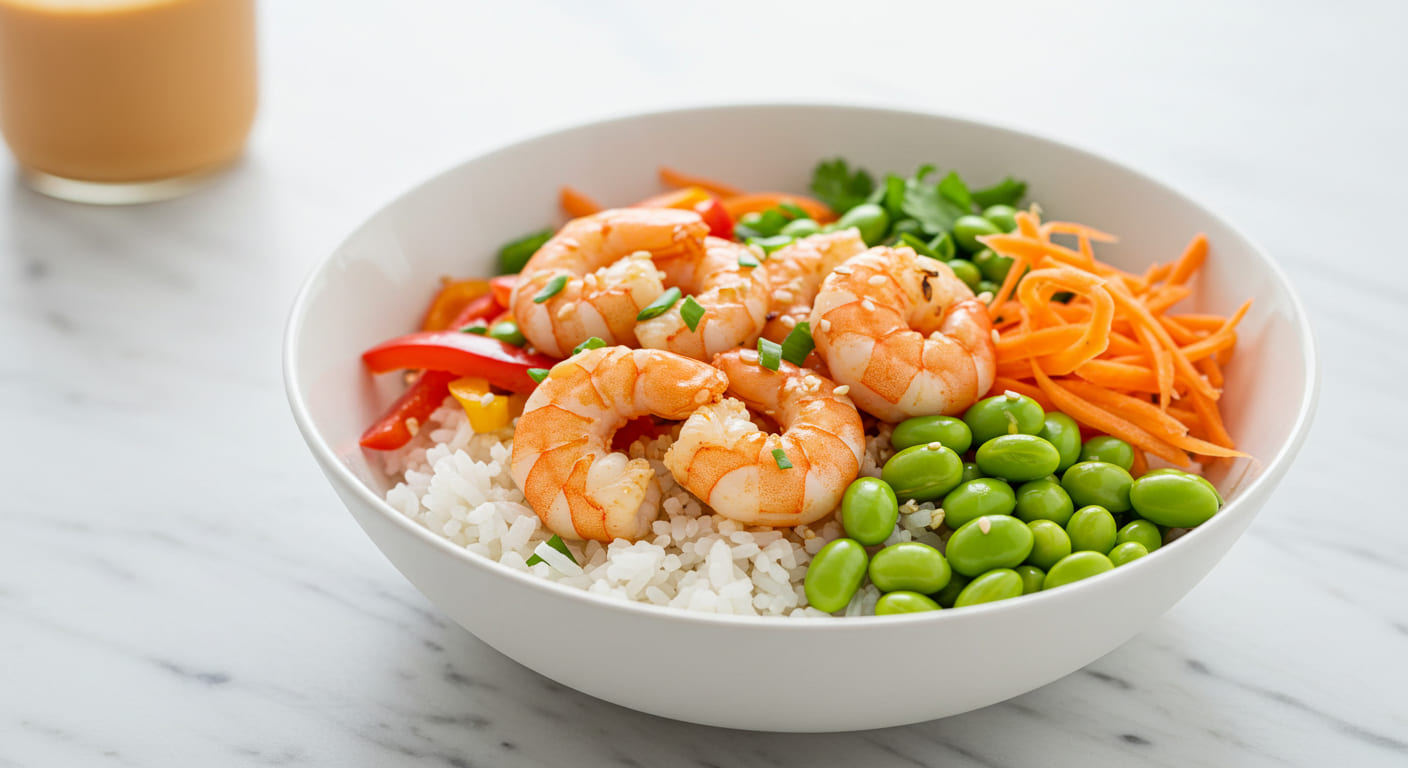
326,457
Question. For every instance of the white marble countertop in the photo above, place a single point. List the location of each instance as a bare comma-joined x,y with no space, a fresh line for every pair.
180,587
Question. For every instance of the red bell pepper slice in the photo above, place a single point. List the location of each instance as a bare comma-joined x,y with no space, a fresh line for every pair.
419,400
701,202
481,308
463,354
502,288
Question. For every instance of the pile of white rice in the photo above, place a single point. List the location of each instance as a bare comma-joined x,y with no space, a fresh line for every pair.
457,484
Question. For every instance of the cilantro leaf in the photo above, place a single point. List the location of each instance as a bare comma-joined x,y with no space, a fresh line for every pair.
835,184
925,202
893,199
1009,191
955,191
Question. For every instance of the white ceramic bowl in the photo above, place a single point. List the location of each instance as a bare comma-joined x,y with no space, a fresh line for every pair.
771,673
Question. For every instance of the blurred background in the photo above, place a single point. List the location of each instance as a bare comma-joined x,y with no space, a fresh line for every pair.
179,586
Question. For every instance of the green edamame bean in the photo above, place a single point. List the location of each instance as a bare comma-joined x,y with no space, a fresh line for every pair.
997,584
1004,216
985,286
1003,415
800,228
1098,482
949,595
1177,501
991,541
1092,529
1044,499
975,498
1142,532
904,602
1204,480
992,266
910,566
904,227
1076,566
971,471
1127,552
507,332
1032,577
923,472
1050,543
834,575
950,432
1062,431
967,230
1108,449
966,271
872,221
1018,458
869,510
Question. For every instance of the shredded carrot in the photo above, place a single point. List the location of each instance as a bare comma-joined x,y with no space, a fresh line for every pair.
757,202
576,204
673,178
1190,261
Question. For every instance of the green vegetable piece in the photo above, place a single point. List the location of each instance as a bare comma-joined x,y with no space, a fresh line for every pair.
558,544
1063,432
1003,415
997,584
899,229
798,343
971,471
966,271
1044,499
1108,449
923,472
550,290
507,332
949,594
1050,543
1176,501
691,312
793,212
948,431
1032,578
478,329
773,243
1076,566
928,205
1199,478
1009,191
976,498
800,228
1092,529
1004,216
988,287
747,260
968,229
1098,482
538,374
869,219
769,354
514,256
904,602
1018,458
943,247
993,541
892,197
869,511
920,247
992,266
834,575
662,304
780,456
841,189
592,343
1142,532
909,566
1127,552
952,189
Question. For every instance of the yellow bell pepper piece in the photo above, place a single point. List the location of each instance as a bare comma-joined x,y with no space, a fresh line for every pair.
486,412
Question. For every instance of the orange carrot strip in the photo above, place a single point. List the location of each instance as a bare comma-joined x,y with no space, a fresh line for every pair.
1163,362
1199,322
1139,313
673,178
1121,344
1177,331
1211,420
1137,410
757,202
1037,343
1093,416
1212,370
1160,299
1035,292
1071,228
1141,464
1221,339
1112,375
576,204
1192,258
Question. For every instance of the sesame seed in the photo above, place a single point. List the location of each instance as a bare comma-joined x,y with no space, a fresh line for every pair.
749,355
842,270
934,446
782,296
936,518
868,305
985,296
702,396
844,389
984,525
825,325
876,280
564,311
413,426
486,399
788,321
1010,395
996,337
809,534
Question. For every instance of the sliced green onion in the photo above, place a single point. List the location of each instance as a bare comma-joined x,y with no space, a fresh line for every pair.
558,544
592,343
691,312
796,211
770,244
660,306
550,290
479,330
779,456
514,256
920,247
538,374
798,343
769,354
508,333
943,248
747,260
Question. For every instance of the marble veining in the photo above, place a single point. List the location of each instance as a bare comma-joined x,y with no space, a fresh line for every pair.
179,586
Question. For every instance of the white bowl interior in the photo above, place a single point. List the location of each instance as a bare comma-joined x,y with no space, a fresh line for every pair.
377,283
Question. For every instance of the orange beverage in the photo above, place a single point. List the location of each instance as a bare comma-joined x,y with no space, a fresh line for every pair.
125,100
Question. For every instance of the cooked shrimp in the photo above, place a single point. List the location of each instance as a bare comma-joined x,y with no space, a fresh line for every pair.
904,333
562,457
605,261
734,298
796,272
728,462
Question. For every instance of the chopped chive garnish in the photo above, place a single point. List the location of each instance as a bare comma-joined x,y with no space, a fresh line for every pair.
796,211
779,456
550,290
770,244
508,333
592,343
747,260
660,306
691,312
538,374
475,329
798,343
558,544
769,354
514,256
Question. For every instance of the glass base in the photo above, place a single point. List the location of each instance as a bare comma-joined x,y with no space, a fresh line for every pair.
115,192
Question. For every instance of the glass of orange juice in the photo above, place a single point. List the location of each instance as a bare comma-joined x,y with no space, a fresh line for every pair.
125,101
